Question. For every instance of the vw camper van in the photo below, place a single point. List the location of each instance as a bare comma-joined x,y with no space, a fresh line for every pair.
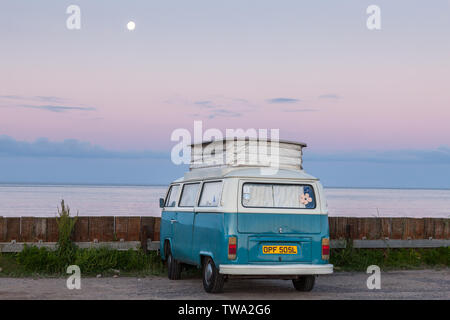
235,221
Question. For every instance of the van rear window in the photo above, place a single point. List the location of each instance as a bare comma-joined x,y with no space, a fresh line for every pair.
268,195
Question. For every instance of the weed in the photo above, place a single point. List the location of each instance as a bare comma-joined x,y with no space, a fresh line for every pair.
66,249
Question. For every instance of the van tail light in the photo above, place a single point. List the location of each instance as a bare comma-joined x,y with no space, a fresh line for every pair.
232,241
325,249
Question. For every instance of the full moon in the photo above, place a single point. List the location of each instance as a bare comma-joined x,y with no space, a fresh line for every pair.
131,25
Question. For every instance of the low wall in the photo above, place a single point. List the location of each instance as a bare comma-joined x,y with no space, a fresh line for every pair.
87,229
102,229
391,228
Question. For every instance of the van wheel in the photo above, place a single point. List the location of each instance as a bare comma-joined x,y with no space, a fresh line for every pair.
212,279
304,283
173,266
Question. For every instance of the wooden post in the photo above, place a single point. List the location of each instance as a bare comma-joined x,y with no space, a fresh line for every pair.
2,229
144,237
12,229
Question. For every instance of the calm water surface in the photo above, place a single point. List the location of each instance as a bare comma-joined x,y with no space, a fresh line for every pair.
42,200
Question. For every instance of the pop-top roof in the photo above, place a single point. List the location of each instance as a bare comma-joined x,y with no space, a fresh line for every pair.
247,152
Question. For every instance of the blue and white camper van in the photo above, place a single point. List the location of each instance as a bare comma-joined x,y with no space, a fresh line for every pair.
235,222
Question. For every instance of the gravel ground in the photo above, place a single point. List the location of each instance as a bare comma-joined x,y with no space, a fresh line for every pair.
411,284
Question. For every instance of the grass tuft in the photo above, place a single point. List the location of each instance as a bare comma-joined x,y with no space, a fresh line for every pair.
66,248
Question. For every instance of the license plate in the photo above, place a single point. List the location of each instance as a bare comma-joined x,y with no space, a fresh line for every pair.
279,249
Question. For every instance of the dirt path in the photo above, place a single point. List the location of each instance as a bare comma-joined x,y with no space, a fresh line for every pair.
417,284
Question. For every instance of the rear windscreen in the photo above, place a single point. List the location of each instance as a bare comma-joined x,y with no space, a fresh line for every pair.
268,195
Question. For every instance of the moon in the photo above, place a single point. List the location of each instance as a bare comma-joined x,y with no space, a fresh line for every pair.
131,25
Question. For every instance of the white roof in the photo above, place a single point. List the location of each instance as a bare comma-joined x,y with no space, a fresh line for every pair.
242,172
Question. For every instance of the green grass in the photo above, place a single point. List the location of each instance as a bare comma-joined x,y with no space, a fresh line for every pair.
10,266
33,261
42,262
351,259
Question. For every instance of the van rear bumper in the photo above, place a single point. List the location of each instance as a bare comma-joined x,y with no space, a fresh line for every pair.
285,269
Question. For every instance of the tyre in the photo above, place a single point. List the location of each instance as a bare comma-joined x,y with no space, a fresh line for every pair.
304,283
212,279
173,266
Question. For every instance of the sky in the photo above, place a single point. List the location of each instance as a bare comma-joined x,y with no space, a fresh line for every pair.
99,104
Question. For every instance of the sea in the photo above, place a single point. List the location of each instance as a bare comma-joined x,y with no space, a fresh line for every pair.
106,200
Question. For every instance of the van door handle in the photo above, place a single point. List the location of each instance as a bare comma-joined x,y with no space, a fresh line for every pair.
172,221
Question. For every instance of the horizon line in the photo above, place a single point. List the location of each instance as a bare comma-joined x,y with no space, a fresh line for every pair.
95,184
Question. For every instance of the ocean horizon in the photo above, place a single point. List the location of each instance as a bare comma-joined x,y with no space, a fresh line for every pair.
166,185
42,200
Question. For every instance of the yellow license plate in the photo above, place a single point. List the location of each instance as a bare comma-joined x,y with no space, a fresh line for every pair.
279,249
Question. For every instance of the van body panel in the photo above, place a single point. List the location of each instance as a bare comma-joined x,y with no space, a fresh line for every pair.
279,223
182,235
209,235
166,229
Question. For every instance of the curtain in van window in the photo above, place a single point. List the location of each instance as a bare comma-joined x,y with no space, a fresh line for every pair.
257,195
210,196
189,195
287,196
278,196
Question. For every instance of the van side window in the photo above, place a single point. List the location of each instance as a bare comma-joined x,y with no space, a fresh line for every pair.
210,196
268,195
172,196
189,195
